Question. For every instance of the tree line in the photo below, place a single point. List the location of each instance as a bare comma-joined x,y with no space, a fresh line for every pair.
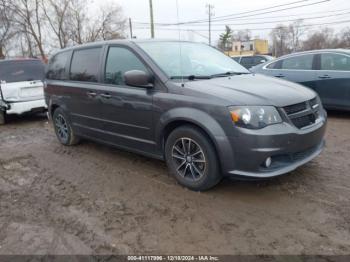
286,39
36,27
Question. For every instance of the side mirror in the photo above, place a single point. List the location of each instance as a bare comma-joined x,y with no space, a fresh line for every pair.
138,78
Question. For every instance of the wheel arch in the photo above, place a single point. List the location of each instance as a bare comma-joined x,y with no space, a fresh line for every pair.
201,120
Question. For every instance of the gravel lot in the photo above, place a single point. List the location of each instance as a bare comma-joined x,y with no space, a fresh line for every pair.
93,199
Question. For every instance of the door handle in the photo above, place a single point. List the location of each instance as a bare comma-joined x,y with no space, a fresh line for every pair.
91,94
280,75
106,95
324,77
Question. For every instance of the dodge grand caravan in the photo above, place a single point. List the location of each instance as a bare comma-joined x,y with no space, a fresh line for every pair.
185,103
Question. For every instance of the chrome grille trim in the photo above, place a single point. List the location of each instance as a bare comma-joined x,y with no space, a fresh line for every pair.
303,114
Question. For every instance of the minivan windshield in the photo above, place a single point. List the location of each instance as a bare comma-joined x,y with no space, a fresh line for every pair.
21,70
191,60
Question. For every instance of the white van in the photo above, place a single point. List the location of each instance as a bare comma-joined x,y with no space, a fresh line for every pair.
21,87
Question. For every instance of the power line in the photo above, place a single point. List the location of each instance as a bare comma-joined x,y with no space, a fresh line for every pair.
235,16
251,29
246,12
274,11
265,17
261,9
280,21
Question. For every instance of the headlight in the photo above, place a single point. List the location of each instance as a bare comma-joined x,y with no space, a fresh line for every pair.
254,117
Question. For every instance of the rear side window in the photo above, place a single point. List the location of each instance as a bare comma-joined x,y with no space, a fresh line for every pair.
303,62
57,67
85,65
335,62
119,61
22,70
275,65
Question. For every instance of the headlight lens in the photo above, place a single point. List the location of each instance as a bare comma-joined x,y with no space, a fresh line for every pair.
255,117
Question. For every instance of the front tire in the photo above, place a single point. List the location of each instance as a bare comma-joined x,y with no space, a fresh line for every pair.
2,117
63,128
192,159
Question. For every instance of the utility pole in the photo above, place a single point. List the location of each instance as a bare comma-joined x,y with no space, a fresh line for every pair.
151,15
210,12
130,27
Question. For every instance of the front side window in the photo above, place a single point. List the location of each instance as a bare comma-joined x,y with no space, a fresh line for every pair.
21,71
178,59
119,61
85,65
335,62
57,66
302,62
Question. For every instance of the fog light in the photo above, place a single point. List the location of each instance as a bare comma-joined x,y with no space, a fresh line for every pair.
268,162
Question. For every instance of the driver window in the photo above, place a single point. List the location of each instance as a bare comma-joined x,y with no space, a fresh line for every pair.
119,61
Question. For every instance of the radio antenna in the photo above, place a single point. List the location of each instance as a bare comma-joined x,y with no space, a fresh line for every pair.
180,44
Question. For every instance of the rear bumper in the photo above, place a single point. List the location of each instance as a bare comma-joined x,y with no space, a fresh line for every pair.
287,146
19,108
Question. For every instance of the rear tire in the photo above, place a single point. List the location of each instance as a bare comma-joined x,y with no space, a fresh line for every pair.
63,128
2,117
191,158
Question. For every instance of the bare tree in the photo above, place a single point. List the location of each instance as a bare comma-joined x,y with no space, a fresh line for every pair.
56,13
281,39
242,35
344,38
6,31
40,25
26,15
108,23
321,39
296,31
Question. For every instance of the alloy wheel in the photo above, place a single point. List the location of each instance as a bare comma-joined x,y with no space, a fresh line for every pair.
189,159
61,127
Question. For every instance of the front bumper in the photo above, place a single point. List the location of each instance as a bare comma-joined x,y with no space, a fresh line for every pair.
19,108
287,146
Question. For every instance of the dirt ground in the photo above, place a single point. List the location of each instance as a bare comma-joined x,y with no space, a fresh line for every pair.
93,199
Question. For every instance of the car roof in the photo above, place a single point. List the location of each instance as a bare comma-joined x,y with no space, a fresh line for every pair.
121,41
319,51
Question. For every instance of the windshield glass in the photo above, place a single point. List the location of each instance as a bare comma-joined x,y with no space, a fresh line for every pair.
19,71
186,59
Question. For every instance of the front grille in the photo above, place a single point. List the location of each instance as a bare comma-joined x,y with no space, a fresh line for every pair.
303,114
295,108
304,121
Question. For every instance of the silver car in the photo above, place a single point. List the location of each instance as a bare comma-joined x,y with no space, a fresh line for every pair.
325,71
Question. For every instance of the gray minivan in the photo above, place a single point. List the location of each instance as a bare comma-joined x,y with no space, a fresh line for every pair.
185,103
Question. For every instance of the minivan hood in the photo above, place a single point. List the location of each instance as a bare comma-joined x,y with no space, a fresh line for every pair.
252,89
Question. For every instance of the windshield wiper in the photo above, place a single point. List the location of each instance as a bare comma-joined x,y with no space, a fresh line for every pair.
191,77
229,73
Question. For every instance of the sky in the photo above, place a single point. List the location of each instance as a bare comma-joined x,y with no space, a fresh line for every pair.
165,11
